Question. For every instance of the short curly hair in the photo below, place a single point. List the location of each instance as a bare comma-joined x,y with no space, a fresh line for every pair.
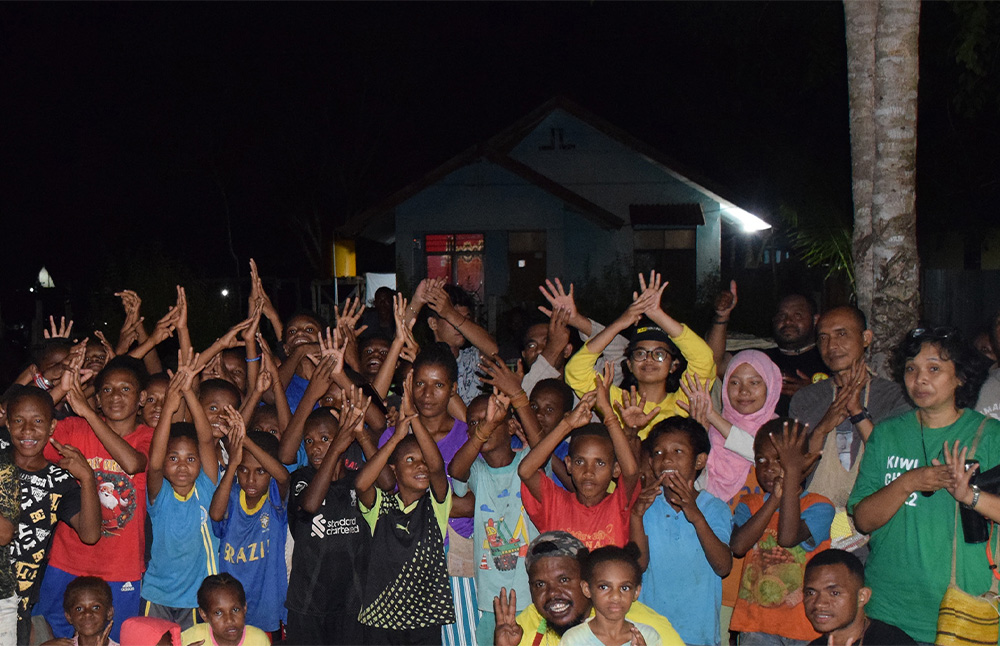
970,366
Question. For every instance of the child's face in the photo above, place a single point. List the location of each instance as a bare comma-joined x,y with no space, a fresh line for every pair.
746,389
119,396
52,364
253,478
591,464
373,354
767,465
267,422
214,403
31,424
318,438
299,330
95,357
152,403
534,343
612,588
226,615
674,452
432,388
89,612
411,470
183,464
549,409
649,370
234,370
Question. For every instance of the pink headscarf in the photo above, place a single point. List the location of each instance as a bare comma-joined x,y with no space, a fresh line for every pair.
727,471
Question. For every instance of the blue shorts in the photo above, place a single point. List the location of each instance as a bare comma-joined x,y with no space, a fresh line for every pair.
124,598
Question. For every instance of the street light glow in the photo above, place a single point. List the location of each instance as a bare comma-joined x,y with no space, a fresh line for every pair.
749,221
225,292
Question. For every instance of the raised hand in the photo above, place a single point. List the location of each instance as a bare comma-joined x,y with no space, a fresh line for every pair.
791,447
602,386
72,460
581,415
558,298
508,632
351,314
631,410
406,406
648,496
725,302
181,309
699,404
497,374
62,330
681,492
438,299
104,342
958,486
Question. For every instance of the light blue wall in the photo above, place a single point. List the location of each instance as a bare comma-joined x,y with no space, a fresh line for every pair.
613,176
484,197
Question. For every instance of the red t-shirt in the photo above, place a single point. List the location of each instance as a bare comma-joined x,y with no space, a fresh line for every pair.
118,555
606,523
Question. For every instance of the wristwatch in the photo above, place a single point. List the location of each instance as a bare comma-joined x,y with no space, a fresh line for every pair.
860,417
975,497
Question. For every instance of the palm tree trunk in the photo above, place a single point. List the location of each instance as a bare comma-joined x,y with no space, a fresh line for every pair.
882,74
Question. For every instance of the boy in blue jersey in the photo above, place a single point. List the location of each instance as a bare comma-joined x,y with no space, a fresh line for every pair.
251,521
181,479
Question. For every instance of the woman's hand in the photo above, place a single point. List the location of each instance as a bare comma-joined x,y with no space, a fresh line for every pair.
498,375
631,410
955,461
699,404
929,479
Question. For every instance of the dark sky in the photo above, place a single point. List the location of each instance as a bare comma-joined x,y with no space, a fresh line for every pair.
139,129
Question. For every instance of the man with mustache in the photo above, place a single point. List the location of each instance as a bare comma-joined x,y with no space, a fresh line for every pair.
557,599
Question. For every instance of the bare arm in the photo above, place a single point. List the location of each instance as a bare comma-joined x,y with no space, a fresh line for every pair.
746,536
495,422
369,473
272,466
87,521
439,301
130,460
725,303
877,509
220,499
433,460
529,469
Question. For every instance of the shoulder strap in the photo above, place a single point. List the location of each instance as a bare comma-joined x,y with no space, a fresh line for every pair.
979,435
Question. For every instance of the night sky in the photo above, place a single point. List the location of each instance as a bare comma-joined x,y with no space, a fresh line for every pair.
151,130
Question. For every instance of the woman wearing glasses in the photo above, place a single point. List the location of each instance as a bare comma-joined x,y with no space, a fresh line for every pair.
655,356
913,476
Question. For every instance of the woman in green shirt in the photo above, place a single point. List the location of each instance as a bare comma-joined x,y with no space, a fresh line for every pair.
912,476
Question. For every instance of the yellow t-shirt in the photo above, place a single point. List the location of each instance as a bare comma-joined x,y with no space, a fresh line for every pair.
251,636
580,375
530,619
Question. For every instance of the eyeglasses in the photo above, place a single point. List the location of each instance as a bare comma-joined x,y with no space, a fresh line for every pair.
658,354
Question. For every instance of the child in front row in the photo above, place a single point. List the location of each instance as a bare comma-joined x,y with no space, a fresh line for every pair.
682,526
407,596
611,579
222,606
87,605
777,531
181,481
251,520
598,454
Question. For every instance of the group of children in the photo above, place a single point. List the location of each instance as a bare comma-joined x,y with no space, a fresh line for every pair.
363,488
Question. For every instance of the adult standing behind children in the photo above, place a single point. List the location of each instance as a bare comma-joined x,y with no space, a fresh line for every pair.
842,411
794,328
654,356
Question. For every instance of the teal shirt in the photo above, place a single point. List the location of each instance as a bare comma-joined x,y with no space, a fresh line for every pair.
909,566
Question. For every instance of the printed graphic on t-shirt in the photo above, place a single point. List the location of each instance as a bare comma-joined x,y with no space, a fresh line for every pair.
772,575
116,494
41,494
504,546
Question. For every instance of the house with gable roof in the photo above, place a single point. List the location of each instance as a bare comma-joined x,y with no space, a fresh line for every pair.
559,193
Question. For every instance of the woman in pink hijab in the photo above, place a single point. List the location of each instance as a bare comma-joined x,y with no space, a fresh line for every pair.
752,386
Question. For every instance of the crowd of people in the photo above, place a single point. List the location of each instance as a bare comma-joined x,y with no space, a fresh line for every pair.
389,479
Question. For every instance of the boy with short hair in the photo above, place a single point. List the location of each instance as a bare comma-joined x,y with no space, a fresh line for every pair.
598,454
682,526
251,520
48,494
835,596
776,531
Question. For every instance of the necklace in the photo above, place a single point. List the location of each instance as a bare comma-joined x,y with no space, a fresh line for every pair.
793,353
